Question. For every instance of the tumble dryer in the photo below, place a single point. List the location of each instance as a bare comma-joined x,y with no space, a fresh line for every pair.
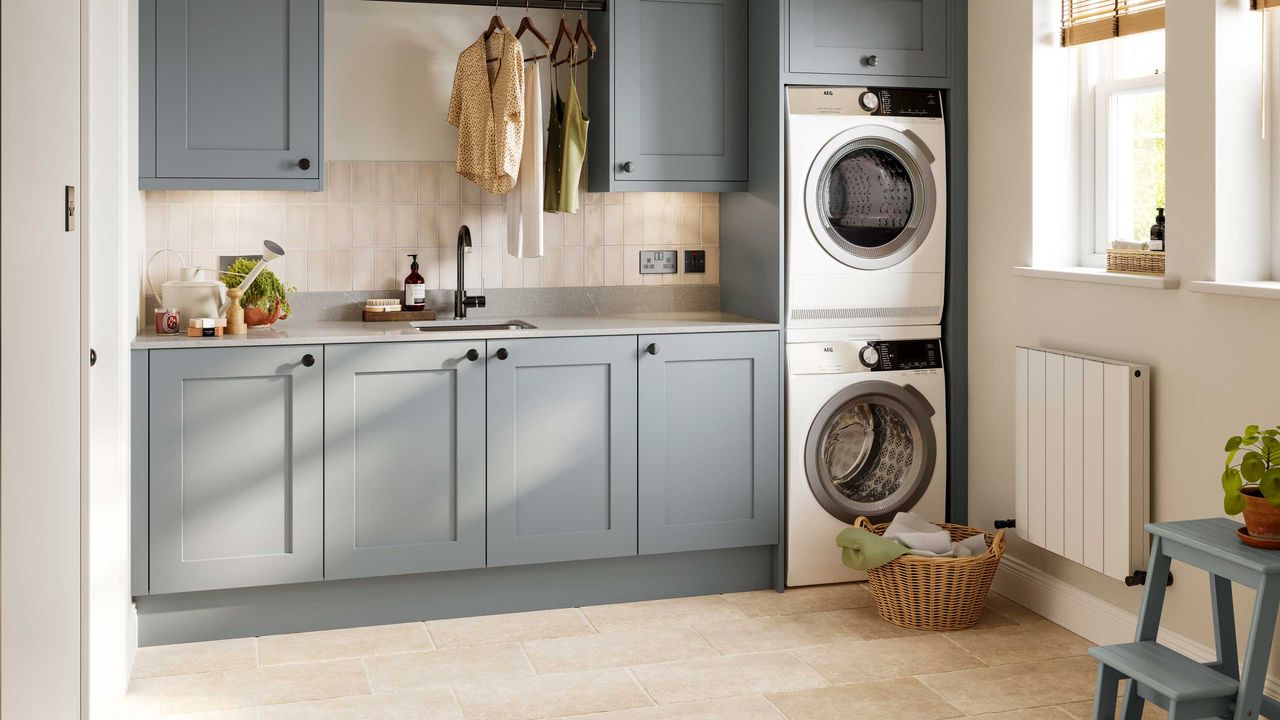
866,435
866,207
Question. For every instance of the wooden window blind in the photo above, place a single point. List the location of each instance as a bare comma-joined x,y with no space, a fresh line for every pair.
1264,4
1086,21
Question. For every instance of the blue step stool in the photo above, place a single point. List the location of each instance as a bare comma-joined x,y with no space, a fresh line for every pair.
1187,689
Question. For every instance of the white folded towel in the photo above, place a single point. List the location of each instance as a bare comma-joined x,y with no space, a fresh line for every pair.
924,538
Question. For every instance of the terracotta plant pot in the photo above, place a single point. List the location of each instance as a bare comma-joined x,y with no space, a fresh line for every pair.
256,317
1260,517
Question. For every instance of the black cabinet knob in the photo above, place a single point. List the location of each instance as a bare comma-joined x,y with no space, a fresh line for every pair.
628,166
652,349
502,354
871,60
473,355
304,163
308,360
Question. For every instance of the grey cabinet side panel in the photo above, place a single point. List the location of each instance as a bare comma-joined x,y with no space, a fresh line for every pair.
680,64
138,471
236,467
404,458
561,449
709,426
600,104
907,37
955,318
146,88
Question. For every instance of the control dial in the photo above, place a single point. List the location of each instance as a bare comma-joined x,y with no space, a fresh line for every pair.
869,101
869,356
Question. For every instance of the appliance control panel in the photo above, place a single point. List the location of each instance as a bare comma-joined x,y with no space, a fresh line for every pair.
861,356
882,355
865,101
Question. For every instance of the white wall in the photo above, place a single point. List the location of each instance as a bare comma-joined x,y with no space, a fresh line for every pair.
389,69
1213,358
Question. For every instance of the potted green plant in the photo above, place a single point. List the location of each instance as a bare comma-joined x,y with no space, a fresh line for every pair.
1252,485
267,300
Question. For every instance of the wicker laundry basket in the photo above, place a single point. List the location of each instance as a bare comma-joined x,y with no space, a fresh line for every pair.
925,593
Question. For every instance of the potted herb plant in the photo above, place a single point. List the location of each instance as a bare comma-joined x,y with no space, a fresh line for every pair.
1252,485
267,300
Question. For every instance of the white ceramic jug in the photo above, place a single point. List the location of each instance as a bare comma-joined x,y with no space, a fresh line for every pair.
192,296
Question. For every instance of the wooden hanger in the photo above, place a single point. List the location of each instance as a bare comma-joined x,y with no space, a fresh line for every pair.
563,33
582,33
495,24
527,24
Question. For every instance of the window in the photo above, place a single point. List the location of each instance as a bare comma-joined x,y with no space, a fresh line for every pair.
1119,120
1128,159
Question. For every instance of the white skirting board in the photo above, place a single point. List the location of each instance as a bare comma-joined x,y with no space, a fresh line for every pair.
1089,616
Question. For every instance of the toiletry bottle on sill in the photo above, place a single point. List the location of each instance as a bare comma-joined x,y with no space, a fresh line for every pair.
415,288
1156,242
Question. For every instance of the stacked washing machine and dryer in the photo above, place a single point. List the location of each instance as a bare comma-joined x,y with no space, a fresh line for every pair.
866,261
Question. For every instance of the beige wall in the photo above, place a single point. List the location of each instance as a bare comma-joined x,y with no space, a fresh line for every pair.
1214,359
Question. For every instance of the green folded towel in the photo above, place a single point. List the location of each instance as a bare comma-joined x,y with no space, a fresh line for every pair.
864,550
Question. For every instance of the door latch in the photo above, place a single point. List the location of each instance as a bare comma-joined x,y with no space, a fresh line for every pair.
71,208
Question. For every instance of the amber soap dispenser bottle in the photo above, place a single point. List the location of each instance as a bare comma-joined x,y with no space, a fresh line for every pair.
415,288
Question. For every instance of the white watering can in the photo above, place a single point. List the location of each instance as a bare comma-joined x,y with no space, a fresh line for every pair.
192,296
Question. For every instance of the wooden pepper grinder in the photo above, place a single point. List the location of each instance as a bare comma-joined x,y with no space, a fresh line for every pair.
235,313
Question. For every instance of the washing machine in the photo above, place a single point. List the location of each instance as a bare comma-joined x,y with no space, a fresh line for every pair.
866,435
866,207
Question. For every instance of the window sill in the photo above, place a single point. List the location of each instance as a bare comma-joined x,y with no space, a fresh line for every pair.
1259,289
1100,276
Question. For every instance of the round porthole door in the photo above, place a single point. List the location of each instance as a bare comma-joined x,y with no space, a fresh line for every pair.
871,197
871,451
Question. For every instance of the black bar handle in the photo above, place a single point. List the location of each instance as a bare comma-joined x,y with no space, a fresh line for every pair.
1006,524
473,355
308,360
502,354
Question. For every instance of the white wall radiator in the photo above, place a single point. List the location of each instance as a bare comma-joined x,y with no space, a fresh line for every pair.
1082,458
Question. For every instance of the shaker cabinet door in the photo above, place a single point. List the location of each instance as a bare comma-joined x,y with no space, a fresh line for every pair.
868,37
404,458
231,93
710,439
236,467
671,112
561,449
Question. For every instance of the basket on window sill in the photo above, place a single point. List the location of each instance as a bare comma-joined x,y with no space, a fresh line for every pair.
928,593
1142,262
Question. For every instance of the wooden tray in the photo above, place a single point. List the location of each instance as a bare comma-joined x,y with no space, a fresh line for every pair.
399,316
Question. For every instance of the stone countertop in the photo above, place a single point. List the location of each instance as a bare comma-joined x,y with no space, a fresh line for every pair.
290,332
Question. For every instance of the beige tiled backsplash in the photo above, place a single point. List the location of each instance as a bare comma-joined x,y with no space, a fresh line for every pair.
355,235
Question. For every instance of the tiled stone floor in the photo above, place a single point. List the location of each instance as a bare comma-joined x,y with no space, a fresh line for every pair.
809,654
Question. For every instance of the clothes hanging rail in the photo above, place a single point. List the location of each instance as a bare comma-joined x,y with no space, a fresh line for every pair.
587,5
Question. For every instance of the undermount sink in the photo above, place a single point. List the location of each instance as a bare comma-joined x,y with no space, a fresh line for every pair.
470,325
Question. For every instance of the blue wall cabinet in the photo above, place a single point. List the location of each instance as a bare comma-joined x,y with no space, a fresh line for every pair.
669,96
561,449
867,37
230,94
236,467
404,458
710,441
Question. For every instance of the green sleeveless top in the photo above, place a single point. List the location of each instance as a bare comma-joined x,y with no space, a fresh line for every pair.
566,151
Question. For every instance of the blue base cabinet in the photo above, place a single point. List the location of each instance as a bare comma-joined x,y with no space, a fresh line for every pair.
230,94
404,467
709,438
236,473
562,449
258,466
